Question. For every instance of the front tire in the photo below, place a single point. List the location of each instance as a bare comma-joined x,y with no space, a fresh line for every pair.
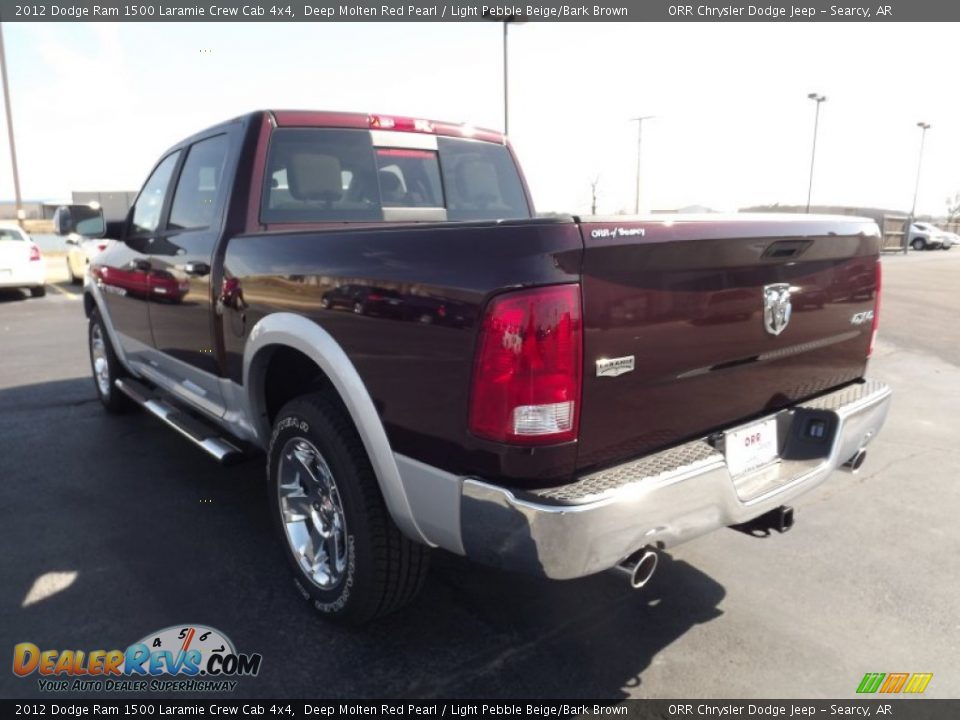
348,558
39,291
106,367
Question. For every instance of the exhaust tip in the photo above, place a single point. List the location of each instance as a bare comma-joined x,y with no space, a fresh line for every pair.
853,464
640,567
644,570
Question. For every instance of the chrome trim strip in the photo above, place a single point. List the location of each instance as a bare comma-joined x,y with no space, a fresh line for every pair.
400,139
297,332
415,214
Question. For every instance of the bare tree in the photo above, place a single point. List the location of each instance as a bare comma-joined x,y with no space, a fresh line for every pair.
953,208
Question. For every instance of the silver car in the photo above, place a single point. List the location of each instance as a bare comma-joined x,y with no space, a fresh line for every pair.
924,236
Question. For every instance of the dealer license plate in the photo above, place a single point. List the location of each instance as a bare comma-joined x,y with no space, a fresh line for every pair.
751,447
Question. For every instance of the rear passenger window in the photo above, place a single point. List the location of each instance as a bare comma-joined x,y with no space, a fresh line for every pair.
320,175
195,200
481,180
409,178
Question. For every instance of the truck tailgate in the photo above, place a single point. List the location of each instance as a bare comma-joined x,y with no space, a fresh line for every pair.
684,297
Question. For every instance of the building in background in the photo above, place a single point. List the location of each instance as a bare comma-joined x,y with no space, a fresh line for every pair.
114,204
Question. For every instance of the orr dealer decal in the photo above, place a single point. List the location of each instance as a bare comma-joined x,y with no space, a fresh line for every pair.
186,658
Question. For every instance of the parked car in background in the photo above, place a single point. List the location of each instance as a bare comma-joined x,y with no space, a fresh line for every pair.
81,247
21,262
949,240
80,251
924,236
363,299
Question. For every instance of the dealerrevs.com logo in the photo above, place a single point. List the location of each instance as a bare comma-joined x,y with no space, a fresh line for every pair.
180,658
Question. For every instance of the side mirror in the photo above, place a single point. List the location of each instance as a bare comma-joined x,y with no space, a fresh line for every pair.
86,220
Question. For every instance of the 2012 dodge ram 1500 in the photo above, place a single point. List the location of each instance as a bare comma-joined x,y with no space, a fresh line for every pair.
372,302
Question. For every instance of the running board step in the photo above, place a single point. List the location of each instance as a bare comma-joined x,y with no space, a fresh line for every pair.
202,435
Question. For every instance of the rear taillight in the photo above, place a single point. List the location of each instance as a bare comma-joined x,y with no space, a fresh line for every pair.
527,373
101,247
34,253
876,310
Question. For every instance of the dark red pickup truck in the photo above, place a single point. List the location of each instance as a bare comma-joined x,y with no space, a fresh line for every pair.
372,302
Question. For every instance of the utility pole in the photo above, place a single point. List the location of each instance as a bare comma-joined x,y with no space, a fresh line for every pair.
639,122
916,187
924,126
13,147
813,152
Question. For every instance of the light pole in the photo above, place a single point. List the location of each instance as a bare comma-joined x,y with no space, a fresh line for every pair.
13,148
813,152
916,188
924,126
507,21
639,122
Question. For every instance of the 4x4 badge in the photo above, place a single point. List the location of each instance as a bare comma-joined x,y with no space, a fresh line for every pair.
776,307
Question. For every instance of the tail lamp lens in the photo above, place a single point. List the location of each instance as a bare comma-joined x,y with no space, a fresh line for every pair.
34,252
528,369
876,309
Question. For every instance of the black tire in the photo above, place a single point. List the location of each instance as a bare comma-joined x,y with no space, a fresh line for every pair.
383,570
359,308
38,291
112,399
918,244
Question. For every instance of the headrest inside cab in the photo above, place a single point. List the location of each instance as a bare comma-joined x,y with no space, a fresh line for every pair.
312,176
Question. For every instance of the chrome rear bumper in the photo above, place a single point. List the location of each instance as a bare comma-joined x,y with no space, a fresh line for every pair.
663,499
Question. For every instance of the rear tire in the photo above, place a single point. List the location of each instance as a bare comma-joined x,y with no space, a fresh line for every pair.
38,291
348,558
106,367
918,244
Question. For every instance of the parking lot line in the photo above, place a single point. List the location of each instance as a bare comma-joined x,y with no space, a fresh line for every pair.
72,296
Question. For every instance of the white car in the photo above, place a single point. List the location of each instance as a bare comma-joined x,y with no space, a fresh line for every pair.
21,262
924,236
80,251
949,240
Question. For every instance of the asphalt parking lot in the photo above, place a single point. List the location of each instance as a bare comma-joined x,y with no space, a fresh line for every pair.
114,527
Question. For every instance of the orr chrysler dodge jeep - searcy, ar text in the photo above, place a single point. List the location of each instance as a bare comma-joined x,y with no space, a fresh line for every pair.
371,302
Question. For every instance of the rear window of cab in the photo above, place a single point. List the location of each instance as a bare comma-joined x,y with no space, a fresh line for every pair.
338,175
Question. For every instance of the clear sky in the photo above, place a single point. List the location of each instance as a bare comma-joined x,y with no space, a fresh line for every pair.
95,104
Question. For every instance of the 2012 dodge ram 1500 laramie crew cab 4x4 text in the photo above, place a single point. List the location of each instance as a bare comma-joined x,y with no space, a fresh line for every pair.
372,302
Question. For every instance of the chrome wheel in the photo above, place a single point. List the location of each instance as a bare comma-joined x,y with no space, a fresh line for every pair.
101,366
312,514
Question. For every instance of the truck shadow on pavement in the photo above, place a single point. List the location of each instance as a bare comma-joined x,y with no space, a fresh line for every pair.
116,528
